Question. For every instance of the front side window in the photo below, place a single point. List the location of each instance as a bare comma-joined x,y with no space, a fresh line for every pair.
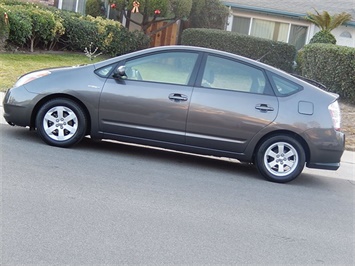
222,73
170,67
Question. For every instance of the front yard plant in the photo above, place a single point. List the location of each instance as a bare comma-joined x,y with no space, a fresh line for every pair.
35,27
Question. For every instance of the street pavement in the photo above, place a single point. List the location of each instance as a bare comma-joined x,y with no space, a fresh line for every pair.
346,170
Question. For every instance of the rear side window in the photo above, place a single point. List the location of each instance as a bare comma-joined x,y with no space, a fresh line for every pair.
284,86
226,74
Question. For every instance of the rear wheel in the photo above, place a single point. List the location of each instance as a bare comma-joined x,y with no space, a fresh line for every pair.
61,122
280,159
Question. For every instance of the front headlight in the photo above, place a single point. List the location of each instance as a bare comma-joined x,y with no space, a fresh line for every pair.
31,76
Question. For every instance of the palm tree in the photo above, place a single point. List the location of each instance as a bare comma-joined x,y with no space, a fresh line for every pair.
326,23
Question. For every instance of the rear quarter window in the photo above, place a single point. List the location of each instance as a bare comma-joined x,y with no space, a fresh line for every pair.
283,86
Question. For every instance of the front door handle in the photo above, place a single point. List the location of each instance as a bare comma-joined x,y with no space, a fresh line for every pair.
177,97
264,107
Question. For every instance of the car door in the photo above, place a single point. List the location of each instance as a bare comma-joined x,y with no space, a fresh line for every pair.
152,101
232,102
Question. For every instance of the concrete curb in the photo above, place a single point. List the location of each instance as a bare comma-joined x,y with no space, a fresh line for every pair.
348,156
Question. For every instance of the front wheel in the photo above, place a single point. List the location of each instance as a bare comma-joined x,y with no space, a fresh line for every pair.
280,159
61,122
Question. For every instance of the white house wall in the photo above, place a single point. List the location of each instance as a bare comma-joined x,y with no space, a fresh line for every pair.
345,41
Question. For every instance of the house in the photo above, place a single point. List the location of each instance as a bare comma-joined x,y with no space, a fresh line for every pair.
284,20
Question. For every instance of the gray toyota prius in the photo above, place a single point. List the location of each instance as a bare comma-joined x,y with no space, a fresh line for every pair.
188,99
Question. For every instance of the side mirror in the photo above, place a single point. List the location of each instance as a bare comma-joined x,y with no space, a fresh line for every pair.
120,72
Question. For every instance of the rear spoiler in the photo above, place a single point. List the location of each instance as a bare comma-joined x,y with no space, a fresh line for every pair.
311,81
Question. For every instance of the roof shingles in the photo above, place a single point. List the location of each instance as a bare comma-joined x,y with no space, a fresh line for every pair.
300,6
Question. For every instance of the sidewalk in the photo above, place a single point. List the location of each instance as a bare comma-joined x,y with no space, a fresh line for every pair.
348,156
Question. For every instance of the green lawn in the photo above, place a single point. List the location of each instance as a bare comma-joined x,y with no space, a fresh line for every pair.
14,65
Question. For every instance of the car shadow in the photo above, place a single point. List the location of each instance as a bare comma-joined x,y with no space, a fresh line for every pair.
140,152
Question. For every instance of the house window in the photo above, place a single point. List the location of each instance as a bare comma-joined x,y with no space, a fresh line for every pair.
241,25
298,36
275,31
72,5
272,30
346,34
69,5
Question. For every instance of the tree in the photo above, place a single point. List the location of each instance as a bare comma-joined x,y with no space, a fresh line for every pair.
201,13
326,23
154,11
211,14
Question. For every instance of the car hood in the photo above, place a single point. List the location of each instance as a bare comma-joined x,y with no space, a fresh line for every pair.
64,79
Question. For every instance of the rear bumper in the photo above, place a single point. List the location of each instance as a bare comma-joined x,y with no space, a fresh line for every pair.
325,166
327,154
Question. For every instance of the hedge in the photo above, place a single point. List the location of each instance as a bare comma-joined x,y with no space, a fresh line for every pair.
331,65
49,28
277,54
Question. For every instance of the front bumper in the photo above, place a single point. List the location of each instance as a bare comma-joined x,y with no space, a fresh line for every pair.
18,106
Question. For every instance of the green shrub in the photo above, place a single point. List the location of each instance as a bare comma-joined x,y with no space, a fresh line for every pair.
109,36
323,37
299,62
129,41
43,27
32,26
20,25
79,33
333,66
114,39
277,54
48,28
15,2
94,8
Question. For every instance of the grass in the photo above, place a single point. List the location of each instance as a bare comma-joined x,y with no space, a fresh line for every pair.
13,65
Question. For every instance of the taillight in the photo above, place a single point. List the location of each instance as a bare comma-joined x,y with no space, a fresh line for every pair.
334,111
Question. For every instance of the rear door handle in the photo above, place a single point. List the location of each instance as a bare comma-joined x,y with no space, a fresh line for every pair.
177,97
264,107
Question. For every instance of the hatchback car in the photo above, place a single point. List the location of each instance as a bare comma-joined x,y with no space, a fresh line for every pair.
188,99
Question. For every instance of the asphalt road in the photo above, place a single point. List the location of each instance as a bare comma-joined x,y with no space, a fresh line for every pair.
108,203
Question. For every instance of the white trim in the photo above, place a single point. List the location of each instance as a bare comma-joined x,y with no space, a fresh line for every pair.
289,32
250,25
77,6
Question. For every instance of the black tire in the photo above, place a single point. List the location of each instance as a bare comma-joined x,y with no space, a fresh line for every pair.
280,159
61,122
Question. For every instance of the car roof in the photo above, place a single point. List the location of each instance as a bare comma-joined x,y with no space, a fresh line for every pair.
182,47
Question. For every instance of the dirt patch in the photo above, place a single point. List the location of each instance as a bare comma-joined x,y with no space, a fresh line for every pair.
348,124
